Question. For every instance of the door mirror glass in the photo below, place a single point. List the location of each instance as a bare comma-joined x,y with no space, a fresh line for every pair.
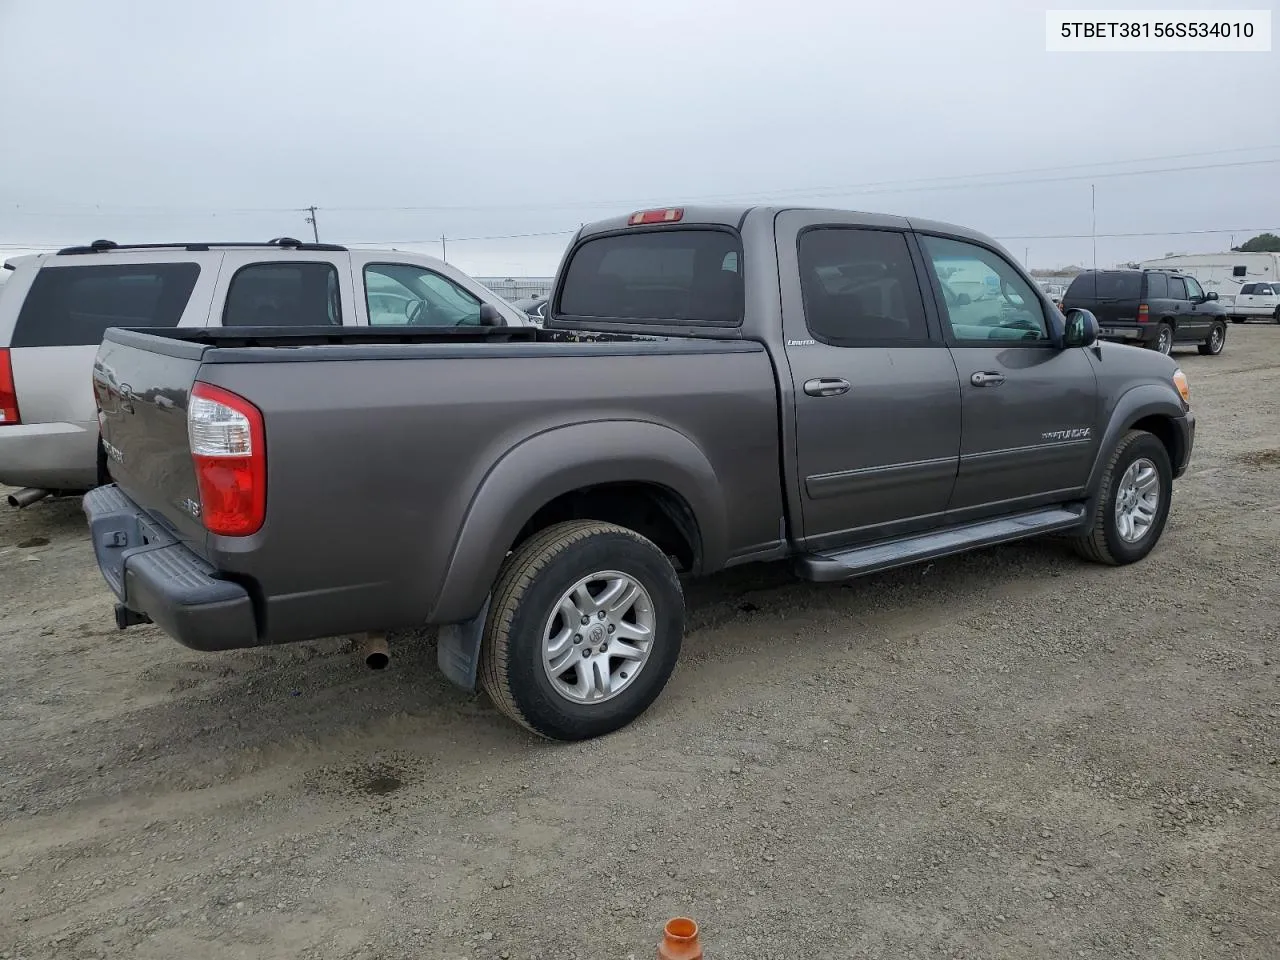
1082,328
1211,295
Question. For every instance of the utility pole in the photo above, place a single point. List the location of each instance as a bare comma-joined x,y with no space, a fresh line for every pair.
444,248
1093,211
315,228
1026,257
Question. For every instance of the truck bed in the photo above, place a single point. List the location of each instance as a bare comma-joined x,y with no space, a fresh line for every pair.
382,445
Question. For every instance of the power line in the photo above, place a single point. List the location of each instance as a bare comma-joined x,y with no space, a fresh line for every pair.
500,236
851,189
1113,236
958,181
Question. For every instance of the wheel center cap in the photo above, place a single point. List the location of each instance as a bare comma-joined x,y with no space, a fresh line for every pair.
596,634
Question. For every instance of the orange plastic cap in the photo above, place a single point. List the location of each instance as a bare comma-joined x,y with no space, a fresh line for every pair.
680,940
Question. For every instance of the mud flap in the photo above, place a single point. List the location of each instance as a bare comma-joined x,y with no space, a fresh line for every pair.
458,649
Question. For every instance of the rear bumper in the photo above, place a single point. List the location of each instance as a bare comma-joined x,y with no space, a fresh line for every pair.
54,456
1129,332
153,574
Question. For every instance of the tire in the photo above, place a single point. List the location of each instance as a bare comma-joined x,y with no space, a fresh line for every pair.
1217,340
1105,543
1276,315
528,598
1162,342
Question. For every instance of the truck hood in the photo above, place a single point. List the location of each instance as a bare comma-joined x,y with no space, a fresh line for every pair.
1137,360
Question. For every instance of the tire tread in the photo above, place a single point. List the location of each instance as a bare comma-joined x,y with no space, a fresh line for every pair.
514,580
1093,545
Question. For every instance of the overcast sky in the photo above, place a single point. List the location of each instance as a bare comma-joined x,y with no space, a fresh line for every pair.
145,121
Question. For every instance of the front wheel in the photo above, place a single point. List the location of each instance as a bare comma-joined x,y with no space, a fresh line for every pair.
1217,340
1133,502
584,630
1276,315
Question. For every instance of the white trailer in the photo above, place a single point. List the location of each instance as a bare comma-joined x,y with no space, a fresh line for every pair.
1222,273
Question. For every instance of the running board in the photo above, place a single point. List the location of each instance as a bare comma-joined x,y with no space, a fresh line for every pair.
843,564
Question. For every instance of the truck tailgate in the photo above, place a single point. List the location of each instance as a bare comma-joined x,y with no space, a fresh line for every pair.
142,393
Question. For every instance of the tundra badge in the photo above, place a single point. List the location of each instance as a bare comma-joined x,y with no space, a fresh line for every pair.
1077,433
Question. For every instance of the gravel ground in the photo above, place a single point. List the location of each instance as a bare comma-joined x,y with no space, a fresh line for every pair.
1010,754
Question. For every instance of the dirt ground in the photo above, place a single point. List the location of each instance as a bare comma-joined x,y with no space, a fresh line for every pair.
1010,754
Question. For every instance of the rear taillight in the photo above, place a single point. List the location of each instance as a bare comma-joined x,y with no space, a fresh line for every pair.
228,447
1144,313
8,394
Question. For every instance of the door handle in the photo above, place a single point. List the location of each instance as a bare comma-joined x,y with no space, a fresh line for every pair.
981,379
826,387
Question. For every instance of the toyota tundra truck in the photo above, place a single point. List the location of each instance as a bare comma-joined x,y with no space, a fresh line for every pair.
712,386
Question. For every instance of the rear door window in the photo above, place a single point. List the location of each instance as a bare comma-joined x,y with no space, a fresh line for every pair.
1106,286
74,306
284,294
860,287
681,276
1157,286
1177,288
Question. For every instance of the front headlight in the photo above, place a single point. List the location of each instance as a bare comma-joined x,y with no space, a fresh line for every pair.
1184,388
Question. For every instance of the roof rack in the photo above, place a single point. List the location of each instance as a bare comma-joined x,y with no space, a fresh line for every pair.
284,243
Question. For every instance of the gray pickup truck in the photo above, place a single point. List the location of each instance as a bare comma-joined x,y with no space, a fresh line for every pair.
712,387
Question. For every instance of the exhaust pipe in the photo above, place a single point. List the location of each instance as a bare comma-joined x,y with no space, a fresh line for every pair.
376,655
27,496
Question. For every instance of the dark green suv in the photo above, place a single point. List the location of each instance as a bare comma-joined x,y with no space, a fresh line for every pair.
1157,309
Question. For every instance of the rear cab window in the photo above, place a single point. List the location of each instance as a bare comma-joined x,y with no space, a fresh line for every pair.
75,305
686,275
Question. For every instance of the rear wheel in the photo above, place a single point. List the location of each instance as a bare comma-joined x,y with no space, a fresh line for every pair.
1133,502
584,631
1217,340
1163,340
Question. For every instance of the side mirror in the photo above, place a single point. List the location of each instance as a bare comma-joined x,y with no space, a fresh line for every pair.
962,299
489,316
1211,295
1082,328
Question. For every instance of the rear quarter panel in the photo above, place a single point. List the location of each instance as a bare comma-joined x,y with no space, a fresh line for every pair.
374,465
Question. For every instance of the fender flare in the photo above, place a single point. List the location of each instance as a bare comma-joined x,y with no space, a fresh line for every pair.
1136,403
560,460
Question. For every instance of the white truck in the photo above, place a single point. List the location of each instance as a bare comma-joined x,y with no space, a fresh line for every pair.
1224,274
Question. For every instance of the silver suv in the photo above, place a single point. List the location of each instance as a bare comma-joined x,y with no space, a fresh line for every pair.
54,309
